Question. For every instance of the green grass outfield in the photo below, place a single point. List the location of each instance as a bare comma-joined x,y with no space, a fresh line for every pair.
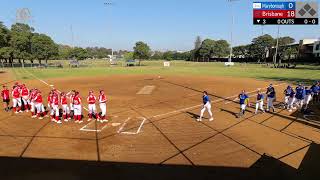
305,74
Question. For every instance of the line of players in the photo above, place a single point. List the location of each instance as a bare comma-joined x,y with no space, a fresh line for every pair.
24,99
293,99
300,97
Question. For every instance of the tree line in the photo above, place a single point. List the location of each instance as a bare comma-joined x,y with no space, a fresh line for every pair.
21,43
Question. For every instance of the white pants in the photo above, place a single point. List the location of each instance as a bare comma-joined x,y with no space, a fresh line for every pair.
55,110
77,110
207,107
42,108
243,107
270,102
65,109
33,108
259,104
299,102
286,100
103,108
92,108
38,106
307,99
16,102
71,107
25,100
291,102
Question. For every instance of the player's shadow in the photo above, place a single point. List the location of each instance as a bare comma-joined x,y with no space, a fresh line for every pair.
235,114
193,115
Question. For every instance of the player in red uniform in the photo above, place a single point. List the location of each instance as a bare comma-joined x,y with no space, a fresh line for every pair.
65,108
38,104
16,99
33,94
70,95
25,97
5,94
77,108
55,108
91,99
103,106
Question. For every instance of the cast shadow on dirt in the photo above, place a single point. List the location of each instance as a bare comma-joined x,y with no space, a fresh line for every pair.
264,168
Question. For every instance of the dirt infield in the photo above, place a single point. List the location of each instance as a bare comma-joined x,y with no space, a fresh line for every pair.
160,128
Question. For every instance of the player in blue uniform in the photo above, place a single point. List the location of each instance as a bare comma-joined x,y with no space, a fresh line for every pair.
292,100
300,94
287,93
271,96
206,106
307,98
259,102
244,101
315,91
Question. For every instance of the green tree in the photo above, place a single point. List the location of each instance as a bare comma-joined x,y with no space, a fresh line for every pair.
283,41
43,47
241,51
20,41
206,49
128,56
259,45
4,35
141,51
79,53
220,49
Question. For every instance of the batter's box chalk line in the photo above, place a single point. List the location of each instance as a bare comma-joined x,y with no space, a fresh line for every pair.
120,131
85,127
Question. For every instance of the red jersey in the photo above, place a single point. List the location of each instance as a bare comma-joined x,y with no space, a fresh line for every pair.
63,100
25,91
5,94
16,93
38,98
77,100
91,99
55,99
33,94
102,98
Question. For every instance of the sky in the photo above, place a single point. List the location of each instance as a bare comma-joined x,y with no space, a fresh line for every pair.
162,24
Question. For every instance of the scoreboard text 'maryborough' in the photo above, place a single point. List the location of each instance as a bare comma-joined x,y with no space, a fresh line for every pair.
285,13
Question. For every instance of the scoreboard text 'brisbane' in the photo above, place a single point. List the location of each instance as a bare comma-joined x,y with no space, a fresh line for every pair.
285,13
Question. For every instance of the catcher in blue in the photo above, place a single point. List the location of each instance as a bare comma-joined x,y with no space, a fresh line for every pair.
206,106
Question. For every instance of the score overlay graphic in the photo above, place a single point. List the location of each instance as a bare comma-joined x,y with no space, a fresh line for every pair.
285,13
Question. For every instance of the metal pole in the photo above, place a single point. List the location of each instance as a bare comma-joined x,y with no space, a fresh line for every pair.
231,40
232,24
277,46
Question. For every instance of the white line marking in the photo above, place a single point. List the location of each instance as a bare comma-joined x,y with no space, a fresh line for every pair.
123,124
144,119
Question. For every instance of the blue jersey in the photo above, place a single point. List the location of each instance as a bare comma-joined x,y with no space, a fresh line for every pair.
300,92
287,92
271,92
205,99
315,89
308,91
292,94
243,98
259,97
